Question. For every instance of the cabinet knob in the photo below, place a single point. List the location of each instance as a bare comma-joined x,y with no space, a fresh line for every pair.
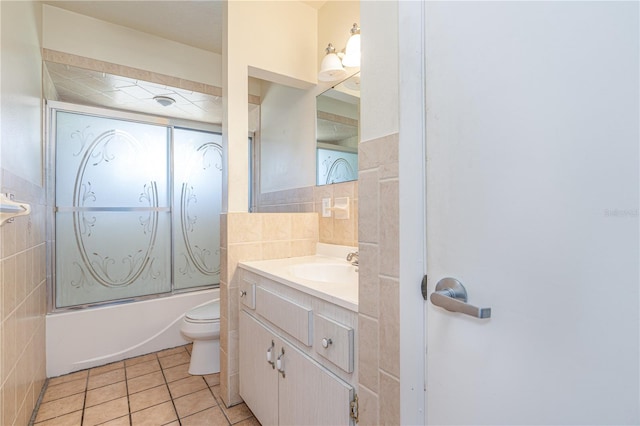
326,342
243,293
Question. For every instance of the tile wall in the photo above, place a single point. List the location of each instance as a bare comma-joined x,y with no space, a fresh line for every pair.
379,318
309,199
23,304
253,236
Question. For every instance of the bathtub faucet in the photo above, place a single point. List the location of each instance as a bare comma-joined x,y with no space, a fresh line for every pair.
353,258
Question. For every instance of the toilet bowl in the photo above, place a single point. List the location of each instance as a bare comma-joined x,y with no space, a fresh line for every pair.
202,325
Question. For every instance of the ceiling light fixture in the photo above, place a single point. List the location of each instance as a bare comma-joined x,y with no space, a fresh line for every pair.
332,66
165,101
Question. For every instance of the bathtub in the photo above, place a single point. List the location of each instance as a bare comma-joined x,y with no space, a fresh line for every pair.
86,338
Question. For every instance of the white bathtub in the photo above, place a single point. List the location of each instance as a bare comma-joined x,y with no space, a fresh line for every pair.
97,336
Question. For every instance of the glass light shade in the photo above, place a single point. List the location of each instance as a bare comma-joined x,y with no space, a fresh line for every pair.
352,52
331,69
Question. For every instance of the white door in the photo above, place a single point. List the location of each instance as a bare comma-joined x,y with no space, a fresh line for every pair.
532,203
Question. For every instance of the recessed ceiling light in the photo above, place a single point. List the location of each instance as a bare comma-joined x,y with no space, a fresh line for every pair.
164,100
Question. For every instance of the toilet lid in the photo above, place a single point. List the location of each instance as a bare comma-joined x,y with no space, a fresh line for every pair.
208,312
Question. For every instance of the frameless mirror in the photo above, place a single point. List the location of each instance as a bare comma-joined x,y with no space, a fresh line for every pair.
338,132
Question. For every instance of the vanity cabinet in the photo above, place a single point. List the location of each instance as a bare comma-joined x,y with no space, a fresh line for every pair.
282,385
297,357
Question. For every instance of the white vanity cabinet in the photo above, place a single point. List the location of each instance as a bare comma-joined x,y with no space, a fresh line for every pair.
290,388
298,364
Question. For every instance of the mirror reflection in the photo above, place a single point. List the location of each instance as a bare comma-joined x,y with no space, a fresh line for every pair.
338,132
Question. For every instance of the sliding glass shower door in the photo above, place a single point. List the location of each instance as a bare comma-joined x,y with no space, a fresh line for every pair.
137,209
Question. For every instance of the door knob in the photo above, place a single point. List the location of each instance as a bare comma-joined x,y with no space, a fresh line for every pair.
451,295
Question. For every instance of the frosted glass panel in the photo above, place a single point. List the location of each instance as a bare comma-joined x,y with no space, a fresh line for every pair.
197,206
113,216
110,163
102,256
336,166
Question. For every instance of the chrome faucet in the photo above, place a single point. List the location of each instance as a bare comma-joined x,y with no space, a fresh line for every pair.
353,258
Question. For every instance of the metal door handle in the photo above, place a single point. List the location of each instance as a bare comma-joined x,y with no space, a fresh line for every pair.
451,295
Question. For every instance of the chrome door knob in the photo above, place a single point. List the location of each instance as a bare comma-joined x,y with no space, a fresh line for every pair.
326,342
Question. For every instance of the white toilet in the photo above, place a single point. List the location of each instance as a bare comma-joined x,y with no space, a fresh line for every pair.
202,325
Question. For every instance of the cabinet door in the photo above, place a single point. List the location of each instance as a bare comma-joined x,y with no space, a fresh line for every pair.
258,379
309,393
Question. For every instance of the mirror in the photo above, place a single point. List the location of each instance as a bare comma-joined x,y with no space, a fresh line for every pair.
338,132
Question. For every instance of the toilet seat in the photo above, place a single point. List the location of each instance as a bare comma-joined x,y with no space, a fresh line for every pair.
205,313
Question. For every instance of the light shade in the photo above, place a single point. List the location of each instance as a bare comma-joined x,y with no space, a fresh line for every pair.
331,68
352,51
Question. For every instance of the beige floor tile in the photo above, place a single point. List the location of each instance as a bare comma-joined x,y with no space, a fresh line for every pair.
106,393
212,379
209,417
175,359
120,421
104,412
105,379
69,377
172,351
237,413
71,419
139,359
106,368
156,415
147,381
142,368
251,421
194,402
64,389
147,398
61,406
176,373
186,386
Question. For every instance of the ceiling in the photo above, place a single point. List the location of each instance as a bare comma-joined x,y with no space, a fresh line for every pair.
194,23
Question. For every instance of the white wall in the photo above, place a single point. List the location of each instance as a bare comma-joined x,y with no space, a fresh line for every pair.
81,35
20,91
287,138
273,41
379,81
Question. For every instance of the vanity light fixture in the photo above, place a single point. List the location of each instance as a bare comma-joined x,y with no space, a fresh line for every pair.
332,66
165,101
352,51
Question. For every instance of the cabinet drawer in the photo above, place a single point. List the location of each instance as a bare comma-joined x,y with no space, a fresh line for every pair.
286,314
248,294
339,341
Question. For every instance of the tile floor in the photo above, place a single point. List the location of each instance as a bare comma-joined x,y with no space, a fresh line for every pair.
153,389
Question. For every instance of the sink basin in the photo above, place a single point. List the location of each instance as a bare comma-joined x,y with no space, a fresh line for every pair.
326,272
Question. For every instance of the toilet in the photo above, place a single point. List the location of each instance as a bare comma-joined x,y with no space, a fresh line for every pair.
202,325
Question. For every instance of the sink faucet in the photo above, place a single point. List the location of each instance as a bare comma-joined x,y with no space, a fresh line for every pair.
353,258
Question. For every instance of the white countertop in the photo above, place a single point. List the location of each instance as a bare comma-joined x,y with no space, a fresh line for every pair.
339,293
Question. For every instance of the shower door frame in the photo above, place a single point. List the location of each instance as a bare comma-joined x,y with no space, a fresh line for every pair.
51,107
